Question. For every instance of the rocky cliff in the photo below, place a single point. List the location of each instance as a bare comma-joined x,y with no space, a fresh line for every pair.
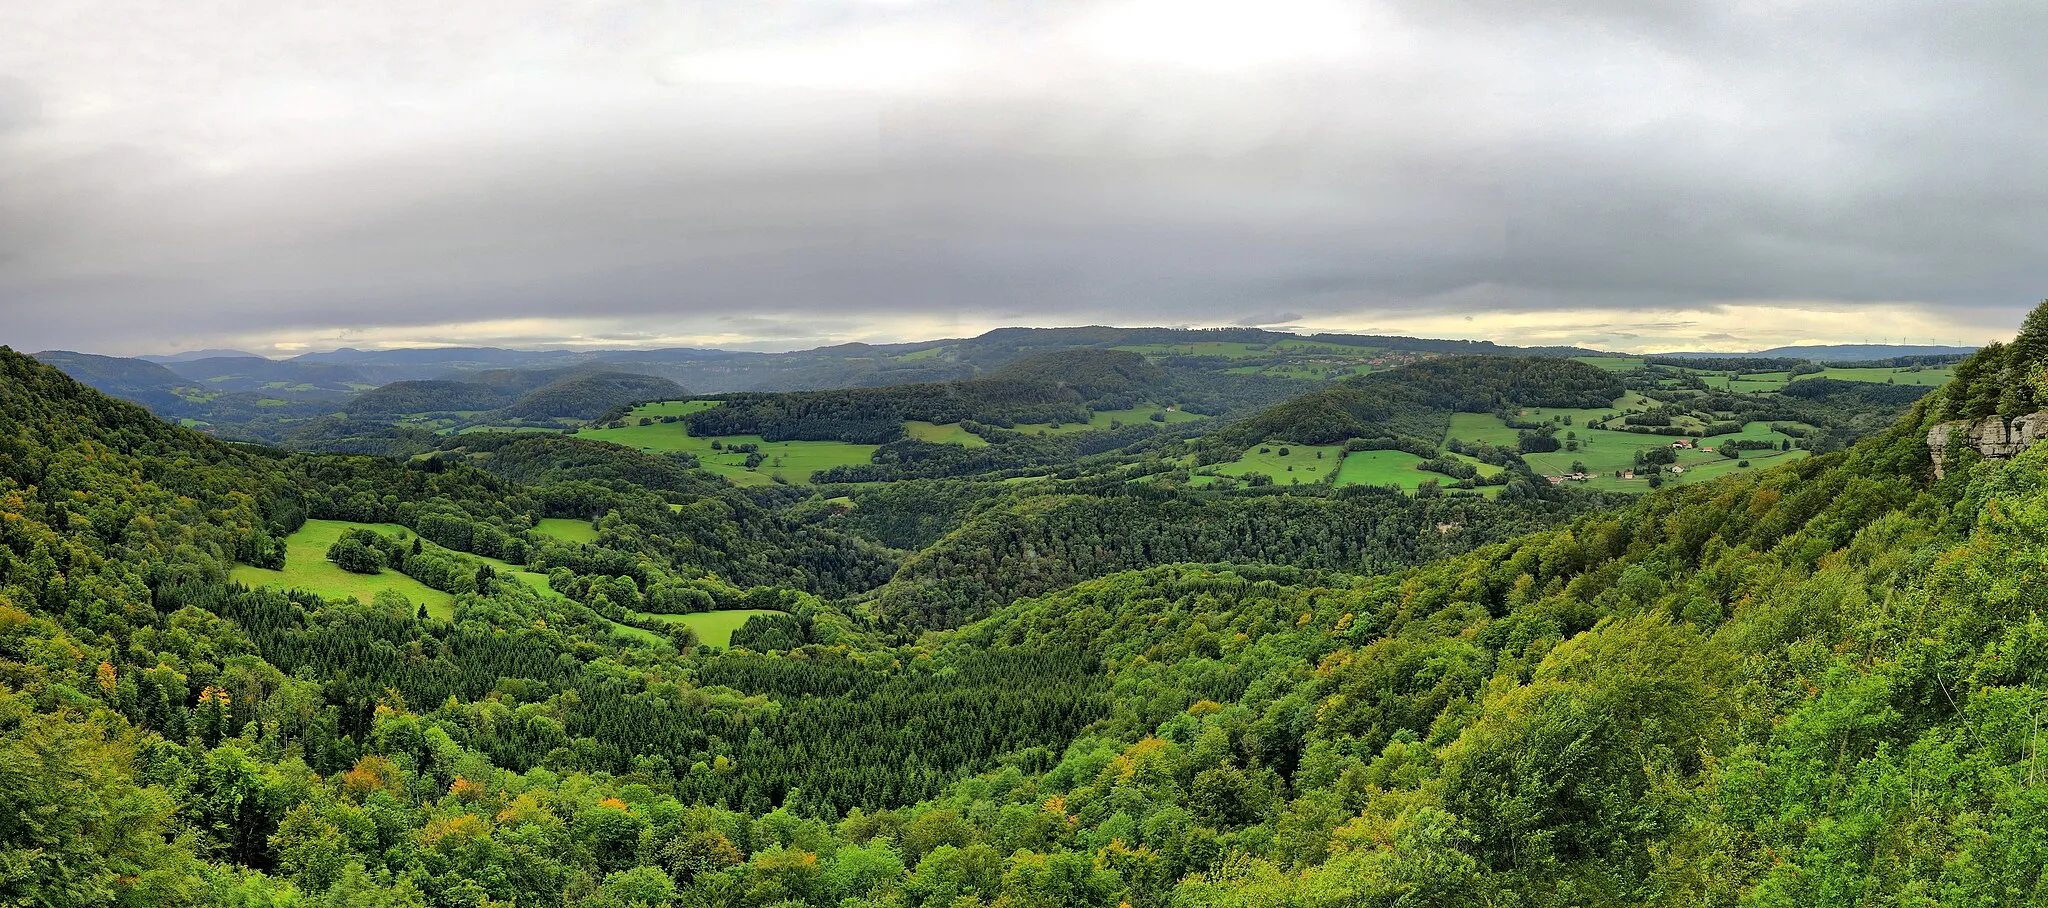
1992,436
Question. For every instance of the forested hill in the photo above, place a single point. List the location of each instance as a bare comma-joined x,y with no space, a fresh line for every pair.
1416,401
1816,684
1058,387
540,396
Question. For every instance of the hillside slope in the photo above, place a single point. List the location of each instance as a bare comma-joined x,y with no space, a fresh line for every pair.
1416,401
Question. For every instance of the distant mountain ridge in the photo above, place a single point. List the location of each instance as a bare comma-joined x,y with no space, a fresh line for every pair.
986,351
1831,353
189,355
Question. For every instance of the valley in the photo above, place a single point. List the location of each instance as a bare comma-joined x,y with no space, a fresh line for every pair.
1130,610
1106,454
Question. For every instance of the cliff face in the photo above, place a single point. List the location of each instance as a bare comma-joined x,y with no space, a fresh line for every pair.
1992,436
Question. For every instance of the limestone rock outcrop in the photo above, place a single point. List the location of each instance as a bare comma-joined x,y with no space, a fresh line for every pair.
1992,436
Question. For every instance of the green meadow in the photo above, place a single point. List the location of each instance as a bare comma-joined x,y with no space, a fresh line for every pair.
714,628
1230,349
306,568
1927,376
1301,465
1105,419
1238,350
1771,382
1603,451
1398,468
948,434
639,635
1612,363
671,408
793,461
567,529
1383,468
1309,371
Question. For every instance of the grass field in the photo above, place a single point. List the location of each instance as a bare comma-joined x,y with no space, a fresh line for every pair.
1236,350
567,530
1310,462
465,430
794,461
1201,348
948,434
637,634
306,568
1383,468
714,628
1771,382
672,408
1102,419
1305,371
1613,363
1929,376
1397,468
1585,416
1602,451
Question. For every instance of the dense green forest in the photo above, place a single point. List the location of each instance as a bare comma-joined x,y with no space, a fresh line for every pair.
1816,684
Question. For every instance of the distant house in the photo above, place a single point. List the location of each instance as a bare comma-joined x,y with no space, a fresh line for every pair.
1556,480
1628,474
1681,444
1708,450
1677,469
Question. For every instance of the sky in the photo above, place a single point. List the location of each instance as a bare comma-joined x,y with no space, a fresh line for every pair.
759,174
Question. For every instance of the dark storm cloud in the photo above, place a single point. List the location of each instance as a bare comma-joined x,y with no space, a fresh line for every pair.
777,175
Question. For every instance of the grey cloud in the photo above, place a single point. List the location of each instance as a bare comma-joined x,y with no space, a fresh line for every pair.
1495,157
1269,318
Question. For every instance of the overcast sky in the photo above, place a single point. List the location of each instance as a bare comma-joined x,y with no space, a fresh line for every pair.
1623,174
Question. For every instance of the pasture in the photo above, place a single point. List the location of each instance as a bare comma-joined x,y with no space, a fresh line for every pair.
1301,465
306,568
948,434
714,628
567,530
1239,350
1383,468
662,408
1772,382
793,461
1929,376
1305,371
1612,363
1601,451
1107,419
